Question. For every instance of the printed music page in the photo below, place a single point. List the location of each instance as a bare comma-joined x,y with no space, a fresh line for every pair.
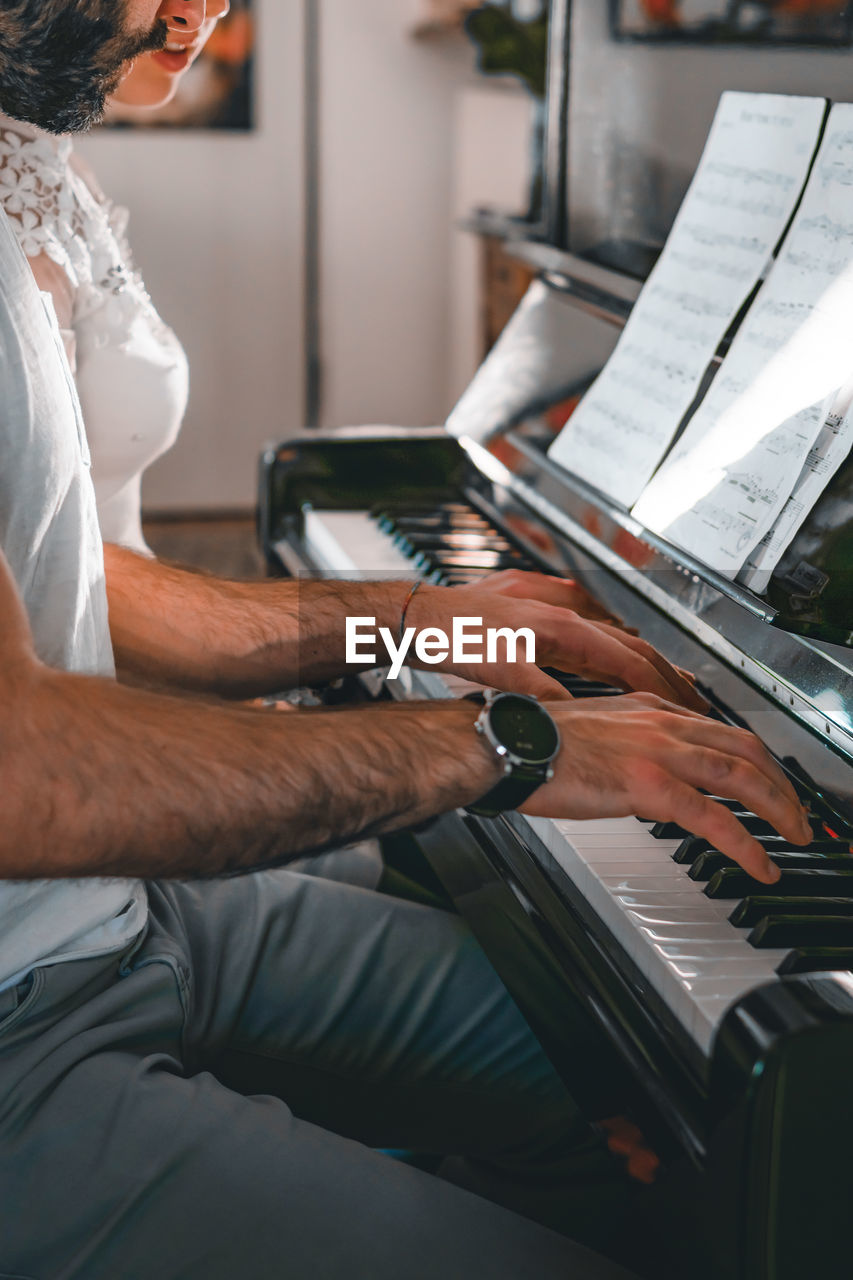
739,203
829,451
734,469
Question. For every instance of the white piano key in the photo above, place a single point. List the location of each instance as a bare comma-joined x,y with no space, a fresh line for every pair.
606,868
349,542
629,840
711,931
636,882
723,987
580,827
650,898
686,916
710,951
738,967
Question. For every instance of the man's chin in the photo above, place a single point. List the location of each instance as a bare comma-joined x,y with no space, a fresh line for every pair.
79,118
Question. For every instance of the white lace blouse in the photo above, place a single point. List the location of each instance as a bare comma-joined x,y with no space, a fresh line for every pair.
131,371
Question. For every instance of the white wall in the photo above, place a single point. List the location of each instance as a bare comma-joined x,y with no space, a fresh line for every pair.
491,146
216,226
389,106
640,115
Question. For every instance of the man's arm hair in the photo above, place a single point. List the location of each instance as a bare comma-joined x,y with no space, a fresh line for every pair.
171,626
98,779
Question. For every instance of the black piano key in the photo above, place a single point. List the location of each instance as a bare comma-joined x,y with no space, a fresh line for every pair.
711,861
802,931
736,806
816,960
440,579
669,831
694,846
579,688
821,844
733,882
672,831
755,826
758,905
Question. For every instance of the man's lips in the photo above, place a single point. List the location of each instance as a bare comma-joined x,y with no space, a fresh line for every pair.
174,58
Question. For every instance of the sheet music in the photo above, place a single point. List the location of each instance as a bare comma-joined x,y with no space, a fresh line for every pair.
734,469
827,454
739,202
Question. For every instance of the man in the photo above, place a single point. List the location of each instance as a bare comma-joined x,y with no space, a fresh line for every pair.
192,1074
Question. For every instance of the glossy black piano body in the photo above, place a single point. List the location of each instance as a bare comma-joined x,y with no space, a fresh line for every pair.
754,1124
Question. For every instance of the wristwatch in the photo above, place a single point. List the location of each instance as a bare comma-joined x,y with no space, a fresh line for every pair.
526,739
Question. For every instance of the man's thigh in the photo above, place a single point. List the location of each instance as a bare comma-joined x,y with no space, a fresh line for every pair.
174,1178
383,1021
378,1018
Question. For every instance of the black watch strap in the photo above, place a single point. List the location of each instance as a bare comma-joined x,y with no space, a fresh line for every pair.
509,793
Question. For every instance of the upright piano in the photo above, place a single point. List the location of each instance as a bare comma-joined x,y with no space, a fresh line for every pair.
662,982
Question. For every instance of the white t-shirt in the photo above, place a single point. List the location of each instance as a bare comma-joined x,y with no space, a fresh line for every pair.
131,371
49,535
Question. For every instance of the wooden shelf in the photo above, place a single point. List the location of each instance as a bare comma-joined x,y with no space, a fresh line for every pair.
602,291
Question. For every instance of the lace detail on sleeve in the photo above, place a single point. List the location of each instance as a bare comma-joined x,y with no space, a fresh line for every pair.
40,202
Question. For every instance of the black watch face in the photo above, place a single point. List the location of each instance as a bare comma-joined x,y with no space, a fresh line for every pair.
524,728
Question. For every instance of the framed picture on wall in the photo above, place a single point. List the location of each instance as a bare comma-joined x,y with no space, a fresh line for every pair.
215,91
791,22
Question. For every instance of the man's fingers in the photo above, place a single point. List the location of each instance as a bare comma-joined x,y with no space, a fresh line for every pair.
603,652
526,678
630,701
738,778
736,752
680,683
672,800
564,593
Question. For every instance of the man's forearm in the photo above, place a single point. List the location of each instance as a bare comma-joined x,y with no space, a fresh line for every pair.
131,783
173,627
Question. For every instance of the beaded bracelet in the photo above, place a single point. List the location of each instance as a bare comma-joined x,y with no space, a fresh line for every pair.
415,587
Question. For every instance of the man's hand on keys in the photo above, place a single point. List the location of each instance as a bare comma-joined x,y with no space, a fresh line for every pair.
565,641
639,755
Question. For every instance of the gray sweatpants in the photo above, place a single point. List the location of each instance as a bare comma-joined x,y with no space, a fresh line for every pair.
205,1107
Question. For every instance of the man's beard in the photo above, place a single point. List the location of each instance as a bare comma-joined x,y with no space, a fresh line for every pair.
60,73
87,97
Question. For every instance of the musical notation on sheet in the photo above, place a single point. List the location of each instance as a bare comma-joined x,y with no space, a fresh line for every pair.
730,476
830,449
740,200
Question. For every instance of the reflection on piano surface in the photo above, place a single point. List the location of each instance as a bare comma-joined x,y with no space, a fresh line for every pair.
661,980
